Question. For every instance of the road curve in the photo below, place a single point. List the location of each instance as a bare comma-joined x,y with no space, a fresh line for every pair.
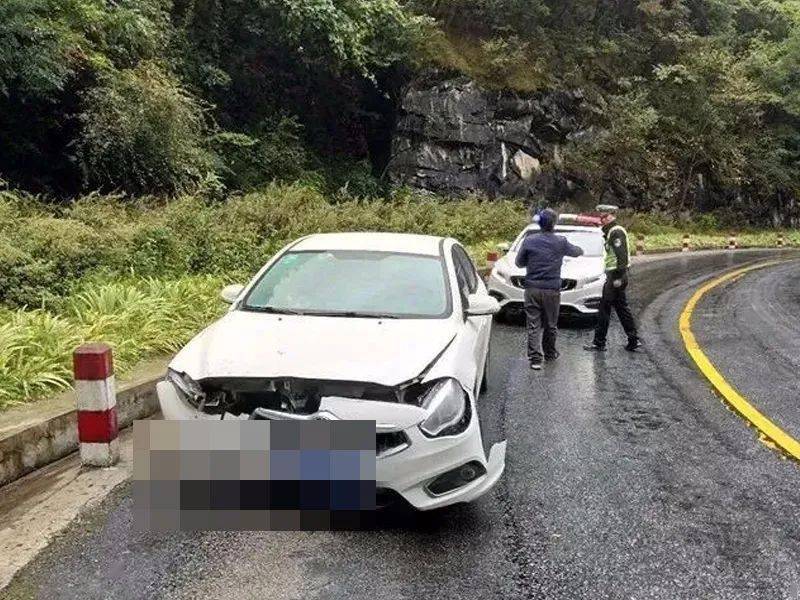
626,478
751,322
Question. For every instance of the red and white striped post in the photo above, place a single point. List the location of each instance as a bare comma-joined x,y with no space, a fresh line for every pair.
640,244
491,258
780,240
685,246
95,390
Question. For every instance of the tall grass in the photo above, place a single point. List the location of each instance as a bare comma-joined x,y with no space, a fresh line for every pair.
137,317
46,251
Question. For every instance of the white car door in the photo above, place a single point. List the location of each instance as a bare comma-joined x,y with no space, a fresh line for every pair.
477,329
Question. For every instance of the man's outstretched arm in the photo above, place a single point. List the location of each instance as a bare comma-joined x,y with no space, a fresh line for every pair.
572,249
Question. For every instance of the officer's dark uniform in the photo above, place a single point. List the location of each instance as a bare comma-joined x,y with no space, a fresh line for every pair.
614,291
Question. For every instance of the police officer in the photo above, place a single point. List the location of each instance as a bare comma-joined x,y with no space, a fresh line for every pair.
614,291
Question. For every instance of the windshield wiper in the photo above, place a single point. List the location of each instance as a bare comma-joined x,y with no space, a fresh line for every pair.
352,313
275,310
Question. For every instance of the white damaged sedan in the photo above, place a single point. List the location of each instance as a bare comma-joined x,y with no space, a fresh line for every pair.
393,328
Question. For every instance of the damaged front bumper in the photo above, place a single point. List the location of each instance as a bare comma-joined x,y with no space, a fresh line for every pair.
409,463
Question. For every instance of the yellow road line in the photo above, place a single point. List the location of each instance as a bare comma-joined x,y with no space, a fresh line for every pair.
769,430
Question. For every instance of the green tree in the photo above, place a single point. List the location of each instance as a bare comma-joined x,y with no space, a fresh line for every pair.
143,133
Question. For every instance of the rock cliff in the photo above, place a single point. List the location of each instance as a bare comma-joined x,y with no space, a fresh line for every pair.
452,137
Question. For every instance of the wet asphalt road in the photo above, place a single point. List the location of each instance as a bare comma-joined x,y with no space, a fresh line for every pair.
765,305
626,478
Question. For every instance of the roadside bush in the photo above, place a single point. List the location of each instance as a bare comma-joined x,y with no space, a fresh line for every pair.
143,133
47,250
26,281
41,255
155,250
273,152
351,180
706,222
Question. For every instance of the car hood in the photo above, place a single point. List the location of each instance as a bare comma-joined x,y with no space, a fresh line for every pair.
582,267
250,344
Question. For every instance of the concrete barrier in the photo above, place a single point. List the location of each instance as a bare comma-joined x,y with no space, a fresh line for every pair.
48,430
639,244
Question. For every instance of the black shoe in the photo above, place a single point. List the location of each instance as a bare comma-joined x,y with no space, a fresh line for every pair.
552,356
595,347
633,345
536,364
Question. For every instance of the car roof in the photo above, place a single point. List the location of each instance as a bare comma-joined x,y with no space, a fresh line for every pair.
407,243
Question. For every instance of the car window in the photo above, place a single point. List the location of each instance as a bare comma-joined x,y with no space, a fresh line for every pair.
465,271
461,277
470,272
353,283
590,241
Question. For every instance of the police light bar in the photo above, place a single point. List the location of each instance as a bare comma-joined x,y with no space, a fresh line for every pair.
583,219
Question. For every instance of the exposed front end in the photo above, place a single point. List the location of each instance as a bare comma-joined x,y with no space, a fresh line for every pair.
429,449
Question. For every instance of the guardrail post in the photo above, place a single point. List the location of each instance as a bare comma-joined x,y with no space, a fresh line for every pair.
640,244
685,246
96,395
732,242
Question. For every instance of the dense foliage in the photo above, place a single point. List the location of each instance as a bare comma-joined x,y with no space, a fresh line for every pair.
697,101
158,96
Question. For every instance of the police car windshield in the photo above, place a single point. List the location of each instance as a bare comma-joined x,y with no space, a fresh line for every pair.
590,241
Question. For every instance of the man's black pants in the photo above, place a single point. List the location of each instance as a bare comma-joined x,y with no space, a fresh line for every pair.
614,298
541,315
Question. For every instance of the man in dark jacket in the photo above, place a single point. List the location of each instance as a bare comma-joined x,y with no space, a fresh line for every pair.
614,291
542,255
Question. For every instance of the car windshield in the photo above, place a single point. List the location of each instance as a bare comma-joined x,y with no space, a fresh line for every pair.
590,241
353,283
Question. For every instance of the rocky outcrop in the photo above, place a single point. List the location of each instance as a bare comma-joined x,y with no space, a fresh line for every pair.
452,137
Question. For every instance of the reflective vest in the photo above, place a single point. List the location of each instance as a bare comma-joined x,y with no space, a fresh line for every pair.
611,255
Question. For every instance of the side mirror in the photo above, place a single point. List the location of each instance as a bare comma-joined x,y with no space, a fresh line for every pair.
504,247
231,292
480,305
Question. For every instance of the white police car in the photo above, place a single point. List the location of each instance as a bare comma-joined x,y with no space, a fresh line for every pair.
582,278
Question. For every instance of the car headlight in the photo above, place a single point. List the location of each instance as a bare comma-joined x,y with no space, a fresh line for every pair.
188,388
590,281
448,404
